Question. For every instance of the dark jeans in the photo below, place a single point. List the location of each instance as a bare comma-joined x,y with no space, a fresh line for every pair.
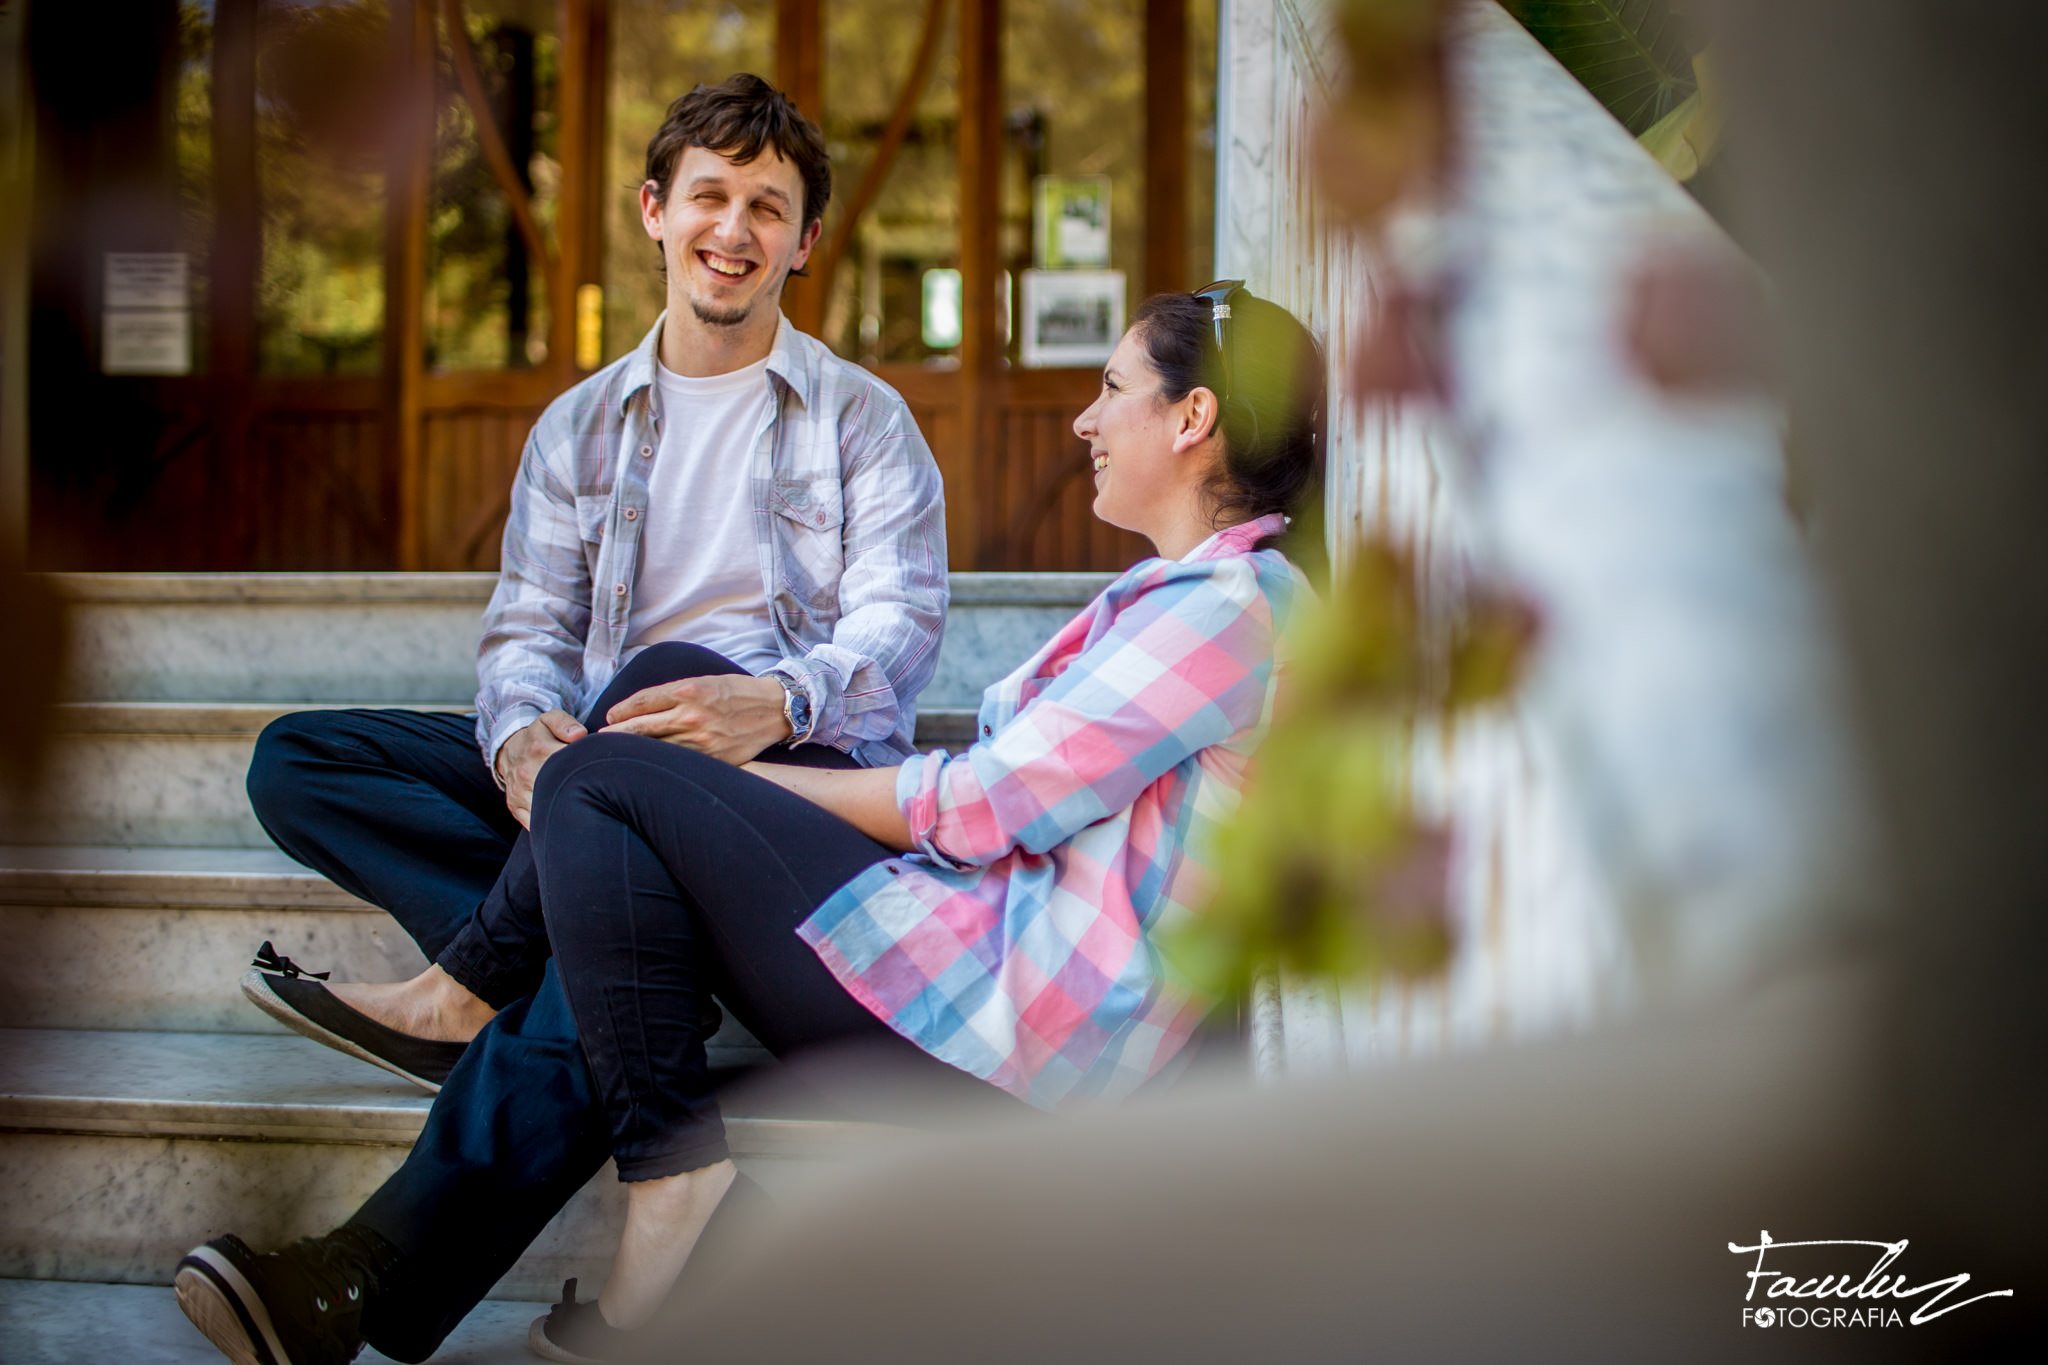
398,808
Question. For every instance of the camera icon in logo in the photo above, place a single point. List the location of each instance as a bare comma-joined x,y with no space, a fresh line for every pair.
1766,1316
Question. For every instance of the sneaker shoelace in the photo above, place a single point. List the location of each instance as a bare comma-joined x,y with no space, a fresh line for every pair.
340,1270
335,1280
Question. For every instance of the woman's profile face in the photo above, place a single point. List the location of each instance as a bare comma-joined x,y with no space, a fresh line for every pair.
1130,429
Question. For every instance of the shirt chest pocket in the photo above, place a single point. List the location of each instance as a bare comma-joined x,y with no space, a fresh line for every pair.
809,516
813,504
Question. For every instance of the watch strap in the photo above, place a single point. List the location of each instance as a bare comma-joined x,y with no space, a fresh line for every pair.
796,708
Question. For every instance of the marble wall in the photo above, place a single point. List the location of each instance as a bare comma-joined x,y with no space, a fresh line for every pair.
1671,806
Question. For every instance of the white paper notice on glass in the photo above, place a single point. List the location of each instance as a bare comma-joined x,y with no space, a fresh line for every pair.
157,341
146,325
148,279
1081,240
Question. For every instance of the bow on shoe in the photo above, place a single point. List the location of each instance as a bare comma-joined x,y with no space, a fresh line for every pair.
271,960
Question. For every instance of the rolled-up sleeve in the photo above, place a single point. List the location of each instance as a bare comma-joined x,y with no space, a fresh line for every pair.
531,651
892,597
1183,665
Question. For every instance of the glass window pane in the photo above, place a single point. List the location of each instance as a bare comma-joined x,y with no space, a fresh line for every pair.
875,312
486,298
660,49
322,81
1074,83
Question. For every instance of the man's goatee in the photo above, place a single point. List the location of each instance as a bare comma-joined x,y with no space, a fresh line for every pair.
715,317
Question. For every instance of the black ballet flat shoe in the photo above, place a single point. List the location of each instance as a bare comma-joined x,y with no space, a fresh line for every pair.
295,998
577,1334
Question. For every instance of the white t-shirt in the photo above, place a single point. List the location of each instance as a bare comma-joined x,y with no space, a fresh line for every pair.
700,572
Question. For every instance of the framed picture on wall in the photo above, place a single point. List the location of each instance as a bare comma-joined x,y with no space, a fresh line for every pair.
1071,317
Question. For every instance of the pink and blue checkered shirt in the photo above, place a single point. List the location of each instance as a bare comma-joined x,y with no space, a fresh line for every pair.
1016,942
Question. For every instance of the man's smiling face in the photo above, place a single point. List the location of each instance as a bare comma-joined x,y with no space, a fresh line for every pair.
730,234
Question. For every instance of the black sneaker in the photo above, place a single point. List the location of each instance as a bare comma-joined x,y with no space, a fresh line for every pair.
295,998
577,1334
299,1306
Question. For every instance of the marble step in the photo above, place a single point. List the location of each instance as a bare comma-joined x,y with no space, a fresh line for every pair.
399,638
120,1151
57,1322
171,773
158,938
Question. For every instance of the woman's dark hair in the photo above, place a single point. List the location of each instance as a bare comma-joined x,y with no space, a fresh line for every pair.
1272,421
738,118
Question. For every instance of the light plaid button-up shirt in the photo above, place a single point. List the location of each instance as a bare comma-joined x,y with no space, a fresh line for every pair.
1015,944
849,520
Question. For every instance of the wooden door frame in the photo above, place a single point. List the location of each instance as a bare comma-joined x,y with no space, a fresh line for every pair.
411,392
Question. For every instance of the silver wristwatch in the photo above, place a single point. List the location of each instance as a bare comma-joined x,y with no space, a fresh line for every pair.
796,708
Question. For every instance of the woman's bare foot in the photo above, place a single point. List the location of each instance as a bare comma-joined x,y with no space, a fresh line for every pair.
664,1218
433,1005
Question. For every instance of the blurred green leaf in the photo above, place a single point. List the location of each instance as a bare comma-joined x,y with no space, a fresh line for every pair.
1489,649
1667,141
1684,140
1327,868
1634,55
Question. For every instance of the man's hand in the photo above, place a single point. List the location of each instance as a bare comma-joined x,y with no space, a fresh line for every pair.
731,717
520,757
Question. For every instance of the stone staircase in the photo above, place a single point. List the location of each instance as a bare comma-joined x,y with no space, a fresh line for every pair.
144,1106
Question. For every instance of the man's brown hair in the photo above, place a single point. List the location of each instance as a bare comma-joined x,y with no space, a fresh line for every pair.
737,118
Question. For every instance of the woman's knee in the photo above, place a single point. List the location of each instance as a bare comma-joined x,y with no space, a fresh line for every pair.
579,766
602,764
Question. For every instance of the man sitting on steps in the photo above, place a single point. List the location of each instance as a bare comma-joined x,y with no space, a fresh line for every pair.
729,539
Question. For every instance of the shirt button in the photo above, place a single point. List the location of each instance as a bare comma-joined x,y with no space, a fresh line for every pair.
987,730
894,870
620,590
632,514
646,451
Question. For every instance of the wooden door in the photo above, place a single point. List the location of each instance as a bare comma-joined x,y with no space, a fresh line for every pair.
446,178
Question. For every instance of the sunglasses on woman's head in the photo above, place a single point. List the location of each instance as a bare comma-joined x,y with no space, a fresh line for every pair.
1218,296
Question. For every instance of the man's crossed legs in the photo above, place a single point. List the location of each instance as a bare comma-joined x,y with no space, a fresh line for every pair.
398,808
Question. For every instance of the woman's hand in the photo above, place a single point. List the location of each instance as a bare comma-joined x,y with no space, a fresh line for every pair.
863,797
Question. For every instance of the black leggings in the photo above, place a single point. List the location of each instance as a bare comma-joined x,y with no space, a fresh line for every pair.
666,877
